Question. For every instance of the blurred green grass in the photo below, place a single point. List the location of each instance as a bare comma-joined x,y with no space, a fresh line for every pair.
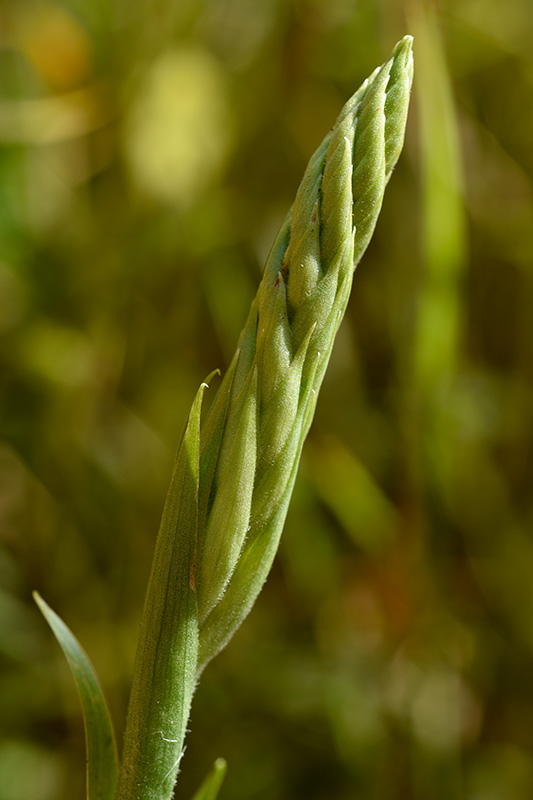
148,153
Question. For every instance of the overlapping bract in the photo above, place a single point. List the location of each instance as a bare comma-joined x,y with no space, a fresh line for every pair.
251,442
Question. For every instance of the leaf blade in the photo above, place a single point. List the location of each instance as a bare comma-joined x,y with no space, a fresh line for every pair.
102,759
164,675
211,786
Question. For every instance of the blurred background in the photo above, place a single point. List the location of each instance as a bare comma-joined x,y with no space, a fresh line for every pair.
148,153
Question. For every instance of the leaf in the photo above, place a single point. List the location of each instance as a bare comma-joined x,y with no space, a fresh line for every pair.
164,675
102,761
211,786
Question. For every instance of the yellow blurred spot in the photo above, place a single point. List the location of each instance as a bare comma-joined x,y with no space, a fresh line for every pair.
178,130
56,45
46,120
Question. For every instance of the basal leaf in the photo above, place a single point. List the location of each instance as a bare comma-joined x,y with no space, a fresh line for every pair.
100,739
211,786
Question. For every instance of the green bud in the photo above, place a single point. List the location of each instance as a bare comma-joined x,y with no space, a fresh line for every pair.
333,217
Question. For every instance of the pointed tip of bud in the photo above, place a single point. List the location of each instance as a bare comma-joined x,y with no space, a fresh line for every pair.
404,47
402,57
402,53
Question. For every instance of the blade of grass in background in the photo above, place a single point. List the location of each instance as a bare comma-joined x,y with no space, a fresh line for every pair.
439,324
437,335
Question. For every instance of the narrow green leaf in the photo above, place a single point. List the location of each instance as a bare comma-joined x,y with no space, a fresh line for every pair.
164,674
211,786
101,748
